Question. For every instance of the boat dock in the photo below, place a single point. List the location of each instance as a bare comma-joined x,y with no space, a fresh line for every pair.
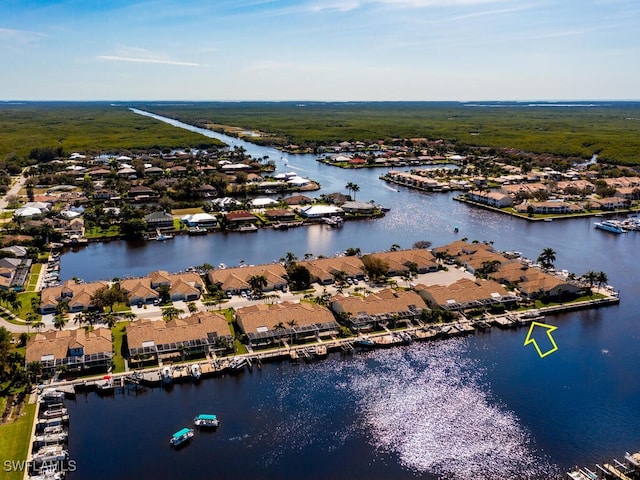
614,470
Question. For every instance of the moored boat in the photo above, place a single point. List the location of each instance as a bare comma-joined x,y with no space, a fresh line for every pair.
364,342
237,364
196,371
181,437
166,375
612,226
50,454
197,231
205,420
55,412
321,350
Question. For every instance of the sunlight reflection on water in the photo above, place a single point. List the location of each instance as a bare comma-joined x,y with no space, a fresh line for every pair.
427,405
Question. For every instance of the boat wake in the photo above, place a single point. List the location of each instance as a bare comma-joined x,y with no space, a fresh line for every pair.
426,405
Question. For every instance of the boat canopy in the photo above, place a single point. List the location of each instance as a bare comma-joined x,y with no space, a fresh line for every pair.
206,416
181,433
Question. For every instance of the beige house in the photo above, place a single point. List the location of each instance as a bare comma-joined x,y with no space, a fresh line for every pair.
611,203
78,296
383,308
265,324
322,270
236,280
548,207
200,333
465,294
401,262
74,349
493,199
533,282
186,287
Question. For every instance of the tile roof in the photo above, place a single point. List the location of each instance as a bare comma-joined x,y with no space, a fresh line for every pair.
400,260
324,268
384,302
264,315
199,326
238,278
463,291
57,343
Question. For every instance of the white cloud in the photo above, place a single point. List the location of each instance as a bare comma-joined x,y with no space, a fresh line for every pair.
9,36
117,58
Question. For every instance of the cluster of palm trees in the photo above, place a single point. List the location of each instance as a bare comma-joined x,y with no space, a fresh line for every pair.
352,188
280,326
595,278
547,258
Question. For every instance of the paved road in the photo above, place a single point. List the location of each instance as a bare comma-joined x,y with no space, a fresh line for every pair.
16,186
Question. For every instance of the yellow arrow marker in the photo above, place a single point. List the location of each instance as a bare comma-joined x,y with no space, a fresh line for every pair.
530,339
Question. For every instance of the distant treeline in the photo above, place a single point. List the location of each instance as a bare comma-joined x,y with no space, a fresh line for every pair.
32,129
611,130
35,131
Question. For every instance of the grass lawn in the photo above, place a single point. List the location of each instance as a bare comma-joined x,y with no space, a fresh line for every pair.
118,332
97,232
179,212
33,276
14,440
583,298
25,300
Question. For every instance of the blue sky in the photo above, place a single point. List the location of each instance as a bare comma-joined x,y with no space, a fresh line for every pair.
320,50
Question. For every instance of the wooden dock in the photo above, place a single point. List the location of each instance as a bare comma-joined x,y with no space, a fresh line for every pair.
629,470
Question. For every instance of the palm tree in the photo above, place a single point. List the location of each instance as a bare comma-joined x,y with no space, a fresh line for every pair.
258,283
355,188
292,323
602,279
38,325
591,277
277,328
192,307
290,258
546,258
349,187
110,319
170,313
60,320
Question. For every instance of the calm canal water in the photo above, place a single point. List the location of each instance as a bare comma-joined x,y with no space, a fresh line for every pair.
480,407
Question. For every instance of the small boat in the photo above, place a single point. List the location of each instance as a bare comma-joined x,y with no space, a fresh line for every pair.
181,436
52,396
237,364
196,371
205,420
320,350
364,343
196,231
162,237
55,412
50,454
166,375
106,387
48,472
